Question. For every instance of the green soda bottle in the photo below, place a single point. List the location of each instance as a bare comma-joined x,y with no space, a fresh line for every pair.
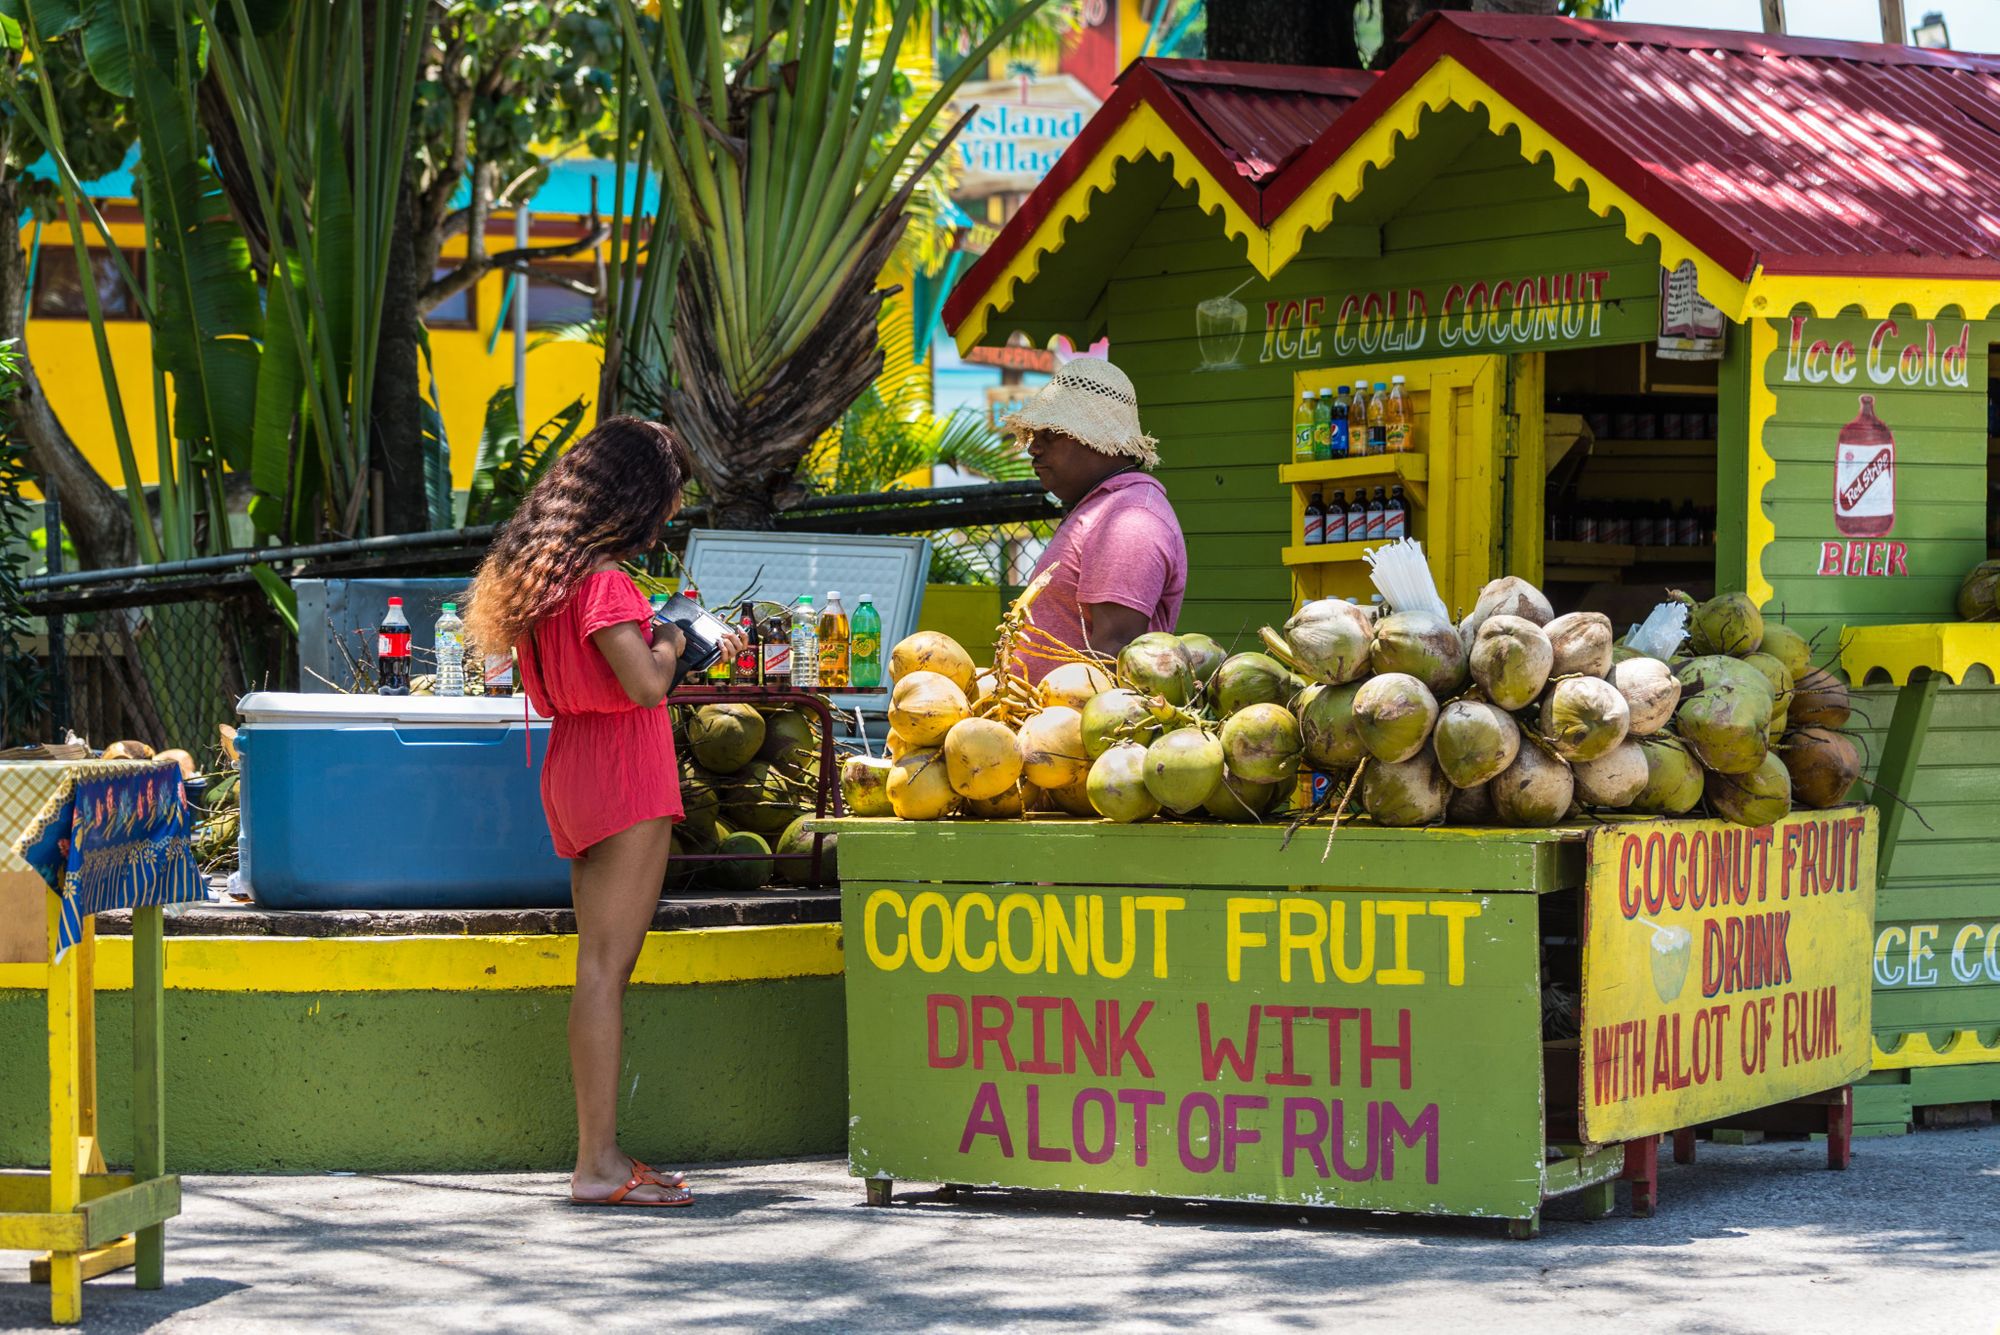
865,645
1323,425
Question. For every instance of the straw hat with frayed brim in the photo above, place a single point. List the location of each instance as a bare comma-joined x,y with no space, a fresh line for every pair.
1092,401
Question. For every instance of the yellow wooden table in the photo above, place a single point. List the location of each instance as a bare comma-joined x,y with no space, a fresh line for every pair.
90,1221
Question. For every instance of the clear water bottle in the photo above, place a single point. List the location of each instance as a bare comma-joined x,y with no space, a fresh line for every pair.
448,636
805,642
865,648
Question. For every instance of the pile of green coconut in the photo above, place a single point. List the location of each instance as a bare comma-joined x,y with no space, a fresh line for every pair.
1513,716
748,779
1518,717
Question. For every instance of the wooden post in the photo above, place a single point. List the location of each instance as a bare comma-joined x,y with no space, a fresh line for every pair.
65,1118
1840,1129
1895,31
1684,1145
1897,773
1774,16
1642,1170
149,1080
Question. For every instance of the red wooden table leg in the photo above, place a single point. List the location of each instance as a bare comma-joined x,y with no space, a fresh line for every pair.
1840,1130
1642,1170
1684,1145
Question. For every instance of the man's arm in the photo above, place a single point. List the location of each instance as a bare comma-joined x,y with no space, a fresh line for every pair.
1111,626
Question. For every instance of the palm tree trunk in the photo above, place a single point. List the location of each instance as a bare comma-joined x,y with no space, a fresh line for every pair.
98,520
397,435
1283,32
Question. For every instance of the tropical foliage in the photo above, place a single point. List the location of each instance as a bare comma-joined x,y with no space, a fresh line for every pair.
21,676
787,164
509,464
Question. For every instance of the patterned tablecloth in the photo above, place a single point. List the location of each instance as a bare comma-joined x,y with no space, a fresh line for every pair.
104,834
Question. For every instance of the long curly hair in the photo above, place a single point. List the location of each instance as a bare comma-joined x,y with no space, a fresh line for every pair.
607,497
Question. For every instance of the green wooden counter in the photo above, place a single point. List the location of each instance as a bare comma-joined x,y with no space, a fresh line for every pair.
1200,1011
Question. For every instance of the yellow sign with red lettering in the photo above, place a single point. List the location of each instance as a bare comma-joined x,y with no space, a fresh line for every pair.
1725,968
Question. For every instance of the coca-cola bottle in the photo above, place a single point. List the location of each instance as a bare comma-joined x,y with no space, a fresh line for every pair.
392,652
1864,475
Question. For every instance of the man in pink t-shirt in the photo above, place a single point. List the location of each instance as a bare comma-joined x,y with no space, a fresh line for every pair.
1118,560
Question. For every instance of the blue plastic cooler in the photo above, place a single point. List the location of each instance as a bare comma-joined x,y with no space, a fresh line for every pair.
385,802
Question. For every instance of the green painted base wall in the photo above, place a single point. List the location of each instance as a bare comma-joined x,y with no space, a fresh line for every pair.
450,1081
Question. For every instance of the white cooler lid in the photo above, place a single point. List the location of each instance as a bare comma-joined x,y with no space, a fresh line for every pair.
299,709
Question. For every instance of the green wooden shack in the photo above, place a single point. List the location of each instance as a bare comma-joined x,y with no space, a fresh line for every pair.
1674,309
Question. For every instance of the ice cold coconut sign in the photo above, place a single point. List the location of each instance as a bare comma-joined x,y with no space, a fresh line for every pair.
1756,945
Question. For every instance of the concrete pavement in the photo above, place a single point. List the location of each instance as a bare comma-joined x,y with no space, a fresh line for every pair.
1759,1239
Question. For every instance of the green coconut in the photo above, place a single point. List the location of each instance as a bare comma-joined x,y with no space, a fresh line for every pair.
1824,767
1581,643
1511,660
1118,715
1405,794
762,798
1117,785
864,785
1788,647
1183,769
1237,799
1474,742
1512,596
1651,692
1534,792
1716,670
1422,645
1761,797
1727,726
1394,715
1584,717
1327,641
794,851
1262,744
1204,656
1820,700
1155,664
1977,593
725,738
1674,779
1471,806
1326,727
1615,779
1774,671
750,867
1728,623
1251,679
701,800
791,740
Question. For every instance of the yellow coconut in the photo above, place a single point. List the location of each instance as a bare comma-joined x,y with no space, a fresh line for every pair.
1008,806
920,786
982,758
1052,754
1074,798
924,705
898,745
930,651
1073,684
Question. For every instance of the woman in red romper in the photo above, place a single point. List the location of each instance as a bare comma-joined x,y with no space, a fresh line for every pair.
593,661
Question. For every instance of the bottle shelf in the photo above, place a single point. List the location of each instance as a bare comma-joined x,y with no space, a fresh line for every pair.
1411,470
1589,562
1327,553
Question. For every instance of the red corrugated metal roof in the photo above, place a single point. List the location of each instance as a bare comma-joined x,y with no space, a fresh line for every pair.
1796,154
1245,123
1260,117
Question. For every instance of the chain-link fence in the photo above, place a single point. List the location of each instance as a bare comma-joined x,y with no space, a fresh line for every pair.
162,654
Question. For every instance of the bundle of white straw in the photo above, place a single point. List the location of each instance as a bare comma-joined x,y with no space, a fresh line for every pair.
1660,635
1402,576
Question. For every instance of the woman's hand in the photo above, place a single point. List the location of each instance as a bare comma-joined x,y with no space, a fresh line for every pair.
733,644
670,634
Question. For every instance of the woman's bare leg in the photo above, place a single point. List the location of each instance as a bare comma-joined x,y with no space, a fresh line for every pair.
615,890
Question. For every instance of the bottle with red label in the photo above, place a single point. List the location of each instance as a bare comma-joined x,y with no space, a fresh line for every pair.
1864,475
392,652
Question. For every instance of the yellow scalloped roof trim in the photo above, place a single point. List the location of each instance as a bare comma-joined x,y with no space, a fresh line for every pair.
1949,648
1762,532
1963,1048
1142,134
1450,83
1777,295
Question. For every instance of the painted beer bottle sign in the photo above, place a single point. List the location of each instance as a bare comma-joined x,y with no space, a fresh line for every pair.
1864,479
